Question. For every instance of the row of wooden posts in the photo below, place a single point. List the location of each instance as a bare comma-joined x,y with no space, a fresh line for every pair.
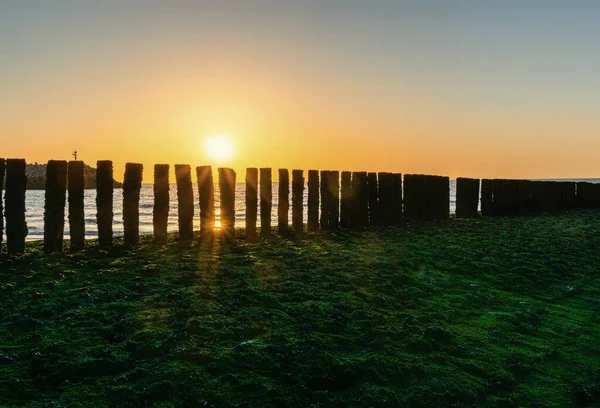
354,200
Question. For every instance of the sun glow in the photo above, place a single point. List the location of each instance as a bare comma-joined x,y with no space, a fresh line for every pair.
219,148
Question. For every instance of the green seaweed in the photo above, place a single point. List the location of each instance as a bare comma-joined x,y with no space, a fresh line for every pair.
461,313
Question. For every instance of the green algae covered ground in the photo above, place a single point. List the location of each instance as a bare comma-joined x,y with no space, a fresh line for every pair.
489,312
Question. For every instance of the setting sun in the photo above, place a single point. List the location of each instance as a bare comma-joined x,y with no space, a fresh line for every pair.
219,148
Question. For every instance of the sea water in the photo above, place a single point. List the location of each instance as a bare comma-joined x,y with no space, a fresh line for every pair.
34,201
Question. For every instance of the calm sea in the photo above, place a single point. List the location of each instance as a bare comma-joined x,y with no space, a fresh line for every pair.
35,209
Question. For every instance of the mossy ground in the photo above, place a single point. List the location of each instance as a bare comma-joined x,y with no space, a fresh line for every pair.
486,312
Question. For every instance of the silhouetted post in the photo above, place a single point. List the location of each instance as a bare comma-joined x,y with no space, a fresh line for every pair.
297,198
445,181
54,210
266,201
387,199
571,195
383,203
2,169
104,202
75,185
397,199
251,201
283,207
373,197
16,185
467,197
346,200
334,195
411,210
487,191
325,200
497,197
206,195
160,215
132,183
227,179
313,201
185,201
360,193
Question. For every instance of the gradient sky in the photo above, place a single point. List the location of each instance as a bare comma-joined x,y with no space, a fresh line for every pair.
458,88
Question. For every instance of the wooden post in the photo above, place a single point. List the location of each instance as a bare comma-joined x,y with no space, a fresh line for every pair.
409,214
297,200
75,185
360,195
445,190
334,194
325,200
227,179
386,196
467,197
251,201
206,197
423,197
185,201
160,215
346,200
411,202
283,207
54,211
487,190
132,183
397,199
266,201
373,197
313,201
104,202
2,170
16,185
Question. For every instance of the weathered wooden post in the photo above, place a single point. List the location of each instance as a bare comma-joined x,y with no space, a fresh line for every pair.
410,191
76,185
160,215
2,169
386,196
104,202
297,200
185,201
313,201
445,189
397,199
266,201
16,185
360,201
426,197
251,201
325,200
283,207
571,192
346,200
206,196
373,198
132,183
487,192
227,179
54,211
467,197
334,195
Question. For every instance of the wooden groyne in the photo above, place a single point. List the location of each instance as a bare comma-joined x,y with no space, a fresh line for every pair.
346,200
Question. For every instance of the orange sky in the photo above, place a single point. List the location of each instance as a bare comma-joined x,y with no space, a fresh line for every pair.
461,93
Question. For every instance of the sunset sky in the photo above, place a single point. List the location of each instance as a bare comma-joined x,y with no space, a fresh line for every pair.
458,88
